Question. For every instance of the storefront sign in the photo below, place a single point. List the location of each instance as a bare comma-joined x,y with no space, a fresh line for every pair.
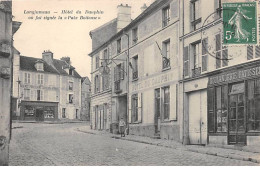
152,82
232,76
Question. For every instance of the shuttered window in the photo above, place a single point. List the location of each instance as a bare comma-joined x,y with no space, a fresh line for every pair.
253,52
136,108
221,53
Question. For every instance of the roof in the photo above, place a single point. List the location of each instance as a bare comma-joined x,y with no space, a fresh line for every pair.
27,63
85,79
148,11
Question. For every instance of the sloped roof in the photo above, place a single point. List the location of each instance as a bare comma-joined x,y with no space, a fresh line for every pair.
85,79
28,63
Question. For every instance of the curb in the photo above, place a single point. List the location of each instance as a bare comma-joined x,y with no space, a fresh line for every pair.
191,149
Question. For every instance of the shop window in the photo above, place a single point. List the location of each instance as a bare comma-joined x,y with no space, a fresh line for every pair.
195,14
49,112
166,16
217,109
29,111
63,112
221,53
253,52
253,91
134,108
27,78
166,102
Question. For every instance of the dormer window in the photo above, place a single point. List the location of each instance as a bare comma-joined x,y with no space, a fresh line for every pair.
71,72
39,65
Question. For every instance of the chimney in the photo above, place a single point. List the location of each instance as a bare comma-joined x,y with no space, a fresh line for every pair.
47,56
143,8
66,59
123,16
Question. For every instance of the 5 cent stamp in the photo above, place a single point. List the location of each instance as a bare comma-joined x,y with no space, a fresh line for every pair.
240,23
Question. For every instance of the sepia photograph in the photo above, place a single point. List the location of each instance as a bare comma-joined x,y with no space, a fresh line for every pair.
129,83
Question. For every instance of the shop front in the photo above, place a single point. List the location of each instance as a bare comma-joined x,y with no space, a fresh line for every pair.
234,106
39,111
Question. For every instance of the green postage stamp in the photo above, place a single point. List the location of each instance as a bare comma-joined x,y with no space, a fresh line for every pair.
240,23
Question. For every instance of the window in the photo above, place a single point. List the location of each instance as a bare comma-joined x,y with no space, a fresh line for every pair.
70,98
134,108
166,54
39,66
97,83
105,56
39,95
135,35
27,78
29,111
166,102
63,112
105,82
253,52
253,105
49,112
97,62
195,14
40,79
166,16
195,51
70,85
221,53
27,94
71,71
118,42
135,67
186,62
118,76
217,109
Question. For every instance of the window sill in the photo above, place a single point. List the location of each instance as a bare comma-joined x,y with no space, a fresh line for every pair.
165,69
166,121
133,80
137,122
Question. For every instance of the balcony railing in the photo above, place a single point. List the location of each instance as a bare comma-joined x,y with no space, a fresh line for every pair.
196,72
135,75
117,86
5,49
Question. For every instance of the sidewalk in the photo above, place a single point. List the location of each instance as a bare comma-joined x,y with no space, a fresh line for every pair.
62,121
247,153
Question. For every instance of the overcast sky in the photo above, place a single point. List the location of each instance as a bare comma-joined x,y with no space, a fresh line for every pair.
64,37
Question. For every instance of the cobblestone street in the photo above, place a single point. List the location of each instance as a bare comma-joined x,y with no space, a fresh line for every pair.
40,144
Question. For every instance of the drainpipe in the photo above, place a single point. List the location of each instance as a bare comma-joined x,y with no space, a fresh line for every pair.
127,85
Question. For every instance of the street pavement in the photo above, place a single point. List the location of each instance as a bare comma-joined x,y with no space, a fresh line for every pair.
41,144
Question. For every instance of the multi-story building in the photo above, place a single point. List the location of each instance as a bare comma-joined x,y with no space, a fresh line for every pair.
48,89
143,62
220,85
8,27
85,98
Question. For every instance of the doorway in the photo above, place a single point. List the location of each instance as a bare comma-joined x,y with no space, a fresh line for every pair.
237,116
39,115
157,113
198,117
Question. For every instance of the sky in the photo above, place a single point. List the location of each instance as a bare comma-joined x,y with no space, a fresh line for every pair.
64,37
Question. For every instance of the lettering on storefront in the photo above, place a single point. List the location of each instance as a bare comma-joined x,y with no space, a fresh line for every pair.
37,87
232,76
152,82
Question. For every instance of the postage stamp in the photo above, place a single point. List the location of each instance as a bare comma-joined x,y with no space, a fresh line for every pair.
240,23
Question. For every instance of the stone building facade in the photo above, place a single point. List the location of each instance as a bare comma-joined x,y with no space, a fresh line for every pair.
85,98
47,89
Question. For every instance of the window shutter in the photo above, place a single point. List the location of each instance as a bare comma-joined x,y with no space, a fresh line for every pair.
257,51
32,95
250,54
218,52
25,77
225,57
140,108
130,110
115,73
186,61
204,54
42,98
122,71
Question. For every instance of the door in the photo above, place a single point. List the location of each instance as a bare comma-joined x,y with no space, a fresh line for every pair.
237,117
198,117
157,112
39,115
96,117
